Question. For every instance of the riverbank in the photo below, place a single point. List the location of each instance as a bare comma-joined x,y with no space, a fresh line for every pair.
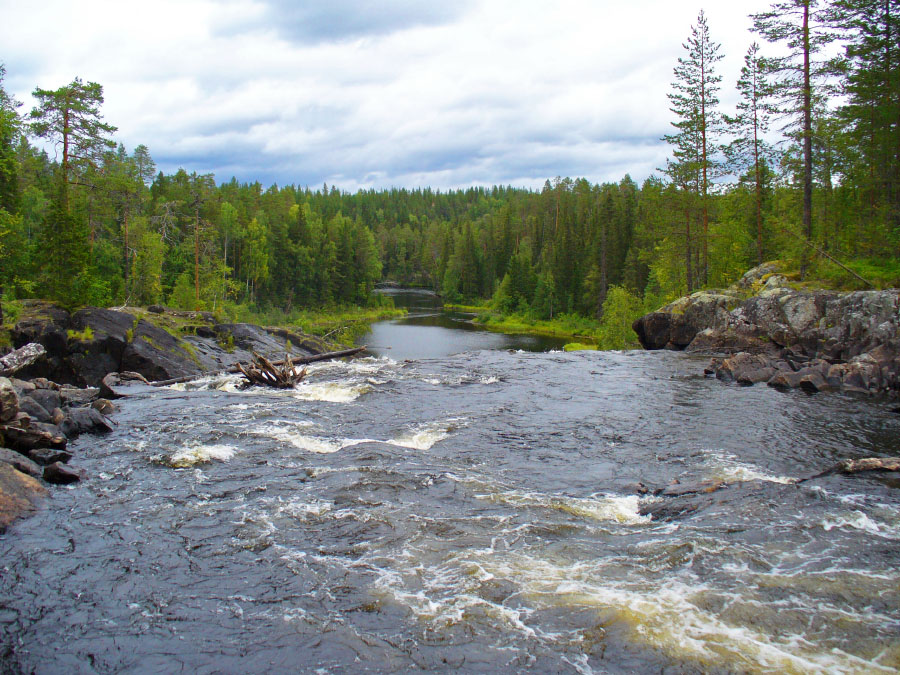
585,333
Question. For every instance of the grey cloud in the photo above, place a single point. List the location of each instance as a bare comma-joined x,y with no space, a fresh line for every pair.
312,21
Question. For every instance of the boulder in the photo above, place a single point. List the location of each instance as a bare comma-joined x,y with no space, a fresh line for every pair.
60,474
25,439
9,401
84,421
97,342
18,495
104,406
109,386
44,456
20,462
48,399
34,409
158,355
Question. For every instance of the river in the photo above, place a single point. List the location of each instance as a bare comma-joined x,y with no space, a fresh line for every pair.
475,512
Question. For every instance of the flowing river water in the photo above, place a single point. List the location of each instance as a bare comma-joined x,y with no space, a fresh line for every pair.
475,512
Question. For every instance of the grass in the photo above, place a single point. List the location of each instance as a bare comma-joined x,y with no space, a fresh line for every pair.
565,325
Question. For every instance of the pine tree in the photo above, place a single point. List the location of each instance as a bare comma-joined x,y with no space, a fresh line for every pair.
749,150
694,100
801,25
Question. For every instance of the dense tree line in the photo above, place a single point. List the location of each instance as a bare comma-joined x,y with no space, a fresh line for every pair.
98,224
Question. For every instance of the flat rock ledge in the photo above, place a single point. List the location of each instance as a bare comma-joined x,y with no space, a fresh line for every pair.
761,330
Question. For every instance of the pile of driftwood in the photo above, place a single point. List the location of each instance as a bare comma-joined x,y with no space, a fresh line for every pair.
265,373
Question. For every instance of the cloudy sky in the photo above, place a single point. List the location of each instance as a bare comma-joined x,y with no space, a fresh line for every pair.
377,93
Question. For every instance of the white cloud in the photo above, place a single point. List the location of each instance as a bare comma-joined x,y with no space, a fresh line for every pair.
438,94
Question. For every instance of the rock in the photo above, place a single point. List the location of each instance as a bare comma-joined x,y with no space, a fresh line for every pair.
9,401
20,462
99,338
857,335
104,406
18,495
25,439
84,421
156,309
46,456
48,399
22,387
680,489
34,409
77,396
60,474
21,358
112,381
746,369
784,380
158,355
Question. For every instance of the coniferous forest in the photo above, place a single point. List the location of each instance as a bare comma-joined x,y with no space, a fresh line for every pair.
806,170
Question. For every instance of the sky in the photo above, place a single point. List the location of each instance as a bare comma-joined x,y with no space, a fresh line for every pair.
378,93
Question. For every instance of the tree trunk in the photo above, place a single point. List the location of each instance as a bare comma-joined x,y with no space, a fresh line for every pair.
807,142
197,259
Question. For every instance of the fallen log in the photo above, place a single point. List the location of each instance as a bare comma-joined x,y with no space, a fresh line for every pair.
296,361
853,466
21,357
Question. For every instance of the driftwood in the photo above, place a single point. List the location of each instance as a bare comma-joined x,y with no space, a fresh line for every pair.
852,466
21,357
266,374
295,361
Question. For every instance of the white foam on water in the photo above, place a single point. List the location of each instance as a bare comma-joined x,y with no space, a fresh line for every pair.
859,520
730,469
609,508
289,432
199,454
300,508
425,436
672,617
330,392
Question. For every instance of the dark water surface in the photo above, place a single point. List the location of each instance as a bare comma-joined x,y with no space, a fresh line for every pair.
429,332
473,513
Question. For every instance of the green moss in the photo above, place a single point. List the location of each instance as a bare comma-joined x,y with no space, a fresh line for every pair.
81,336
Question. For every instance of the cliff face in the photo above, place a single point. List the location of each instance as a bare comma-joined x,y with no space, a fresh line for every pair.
851,339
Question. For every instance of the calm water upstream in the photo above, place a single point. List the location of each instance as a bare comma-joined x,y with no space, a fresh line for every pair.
429,332
472,512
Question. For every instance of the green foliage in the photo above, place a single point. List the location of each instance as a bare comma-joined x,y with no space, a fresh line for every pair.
619,312
578,347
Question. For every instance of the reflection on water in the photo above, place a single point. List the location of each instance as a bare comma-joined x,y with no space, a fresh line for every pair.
478,513
428,331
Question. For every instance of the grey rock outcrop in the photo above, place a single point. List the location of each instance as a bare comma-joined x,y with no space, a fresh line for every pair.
85,346
815,340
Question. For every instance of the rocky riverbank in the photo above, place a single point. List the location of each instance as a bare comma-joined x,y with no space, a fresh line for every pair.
66,392
763,330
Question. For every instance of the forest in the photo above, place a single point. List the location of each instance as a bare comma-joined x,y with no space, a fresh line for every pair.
806,170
